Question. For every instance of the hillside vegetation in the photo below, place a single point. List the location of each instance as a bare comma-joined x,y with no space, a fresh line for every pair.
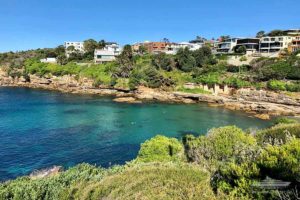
226,163
160,71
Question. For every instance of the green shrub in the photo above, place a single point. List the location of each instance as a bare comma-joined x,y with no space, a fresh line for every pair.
278,133
276,85
210,79
219,145
243,58
237,82
160,149
52,187
153,78
285,120
237,179
293,87
282,162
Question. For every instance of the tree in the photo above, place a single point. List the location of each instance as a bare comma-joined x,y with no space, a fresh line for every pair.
198,39
203,56
162,61
101,44
240,49
166,40
185,61
125,61
71,48
276,33
260,34
152,77
142,49
60,50
62,59
224,37
90,45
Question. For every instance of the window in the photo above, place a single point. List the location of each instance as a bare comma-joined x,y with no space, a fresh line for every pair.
280,39
272,39
266,39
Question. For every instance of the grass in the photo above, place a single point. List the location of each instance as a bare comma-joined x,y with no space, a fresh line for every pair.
150,181
193,91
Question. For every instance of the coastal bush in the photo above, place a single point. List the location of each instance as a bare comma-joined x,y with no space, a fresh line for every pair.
210,79
278,69
282,161
276,85
224,164
160,149
285,120
293,87
219,145
185,60
278,134
153,78
135,79
52,187
236,179
163,61
237,82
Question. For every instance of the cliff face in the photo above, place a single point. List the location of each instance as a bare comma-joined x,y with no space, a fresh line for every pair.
258,102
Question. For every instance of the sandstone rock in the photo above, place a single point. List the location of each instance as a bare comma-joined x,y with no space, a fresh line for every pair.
263,116
126,100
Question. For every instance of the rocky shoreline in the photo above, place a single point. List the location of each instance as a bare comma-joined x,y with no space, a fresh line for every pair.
259,103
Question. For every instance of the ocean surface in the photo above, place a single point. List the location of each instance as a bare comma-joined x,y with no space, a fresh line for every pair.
39,129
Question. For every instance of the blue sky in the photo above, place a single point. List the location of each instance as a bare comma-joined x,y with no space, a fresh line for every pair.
28,24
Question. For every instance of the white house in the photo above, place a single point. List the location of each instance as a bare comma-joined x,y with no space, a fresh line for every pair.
274,44
107,54
48,60
227,46
78,46
172,48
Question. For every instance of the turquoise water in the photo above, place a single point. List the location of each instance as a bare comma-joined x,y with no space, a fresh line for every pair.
40,128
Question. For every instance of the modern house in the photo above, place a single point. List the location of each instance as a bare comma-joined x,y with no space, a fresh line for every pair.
172,48
251,44
226,46
78,46
294,45
107,54
274,44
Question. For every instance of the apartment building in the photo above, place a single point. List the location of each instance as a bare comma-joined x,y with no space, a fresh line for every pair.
274,44
107,54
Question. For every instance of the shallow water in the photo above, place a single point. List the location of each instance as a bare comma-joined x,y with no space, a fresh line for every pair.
41,128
